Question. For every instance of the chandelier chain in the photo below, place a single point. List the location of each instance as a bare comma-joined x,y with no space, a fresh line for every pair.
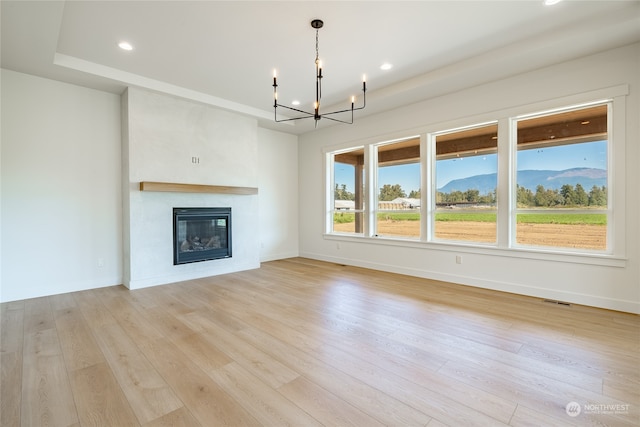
317,47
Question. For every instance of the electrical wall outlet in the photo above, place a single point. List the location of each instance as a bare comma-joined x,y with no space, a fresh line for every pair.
458,259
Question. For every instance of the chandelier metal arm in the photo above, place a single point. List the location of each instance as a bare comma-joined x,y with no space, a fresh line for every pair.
308,114
364,104
338,120
315,113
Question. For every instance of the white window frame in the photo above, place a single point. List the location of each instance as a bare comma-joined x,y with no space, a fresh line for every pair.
514,211
615,256
431,137
373,224
330,208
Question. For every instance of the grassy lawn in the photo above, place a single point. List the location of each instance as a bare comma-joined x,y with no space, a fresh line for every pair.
559,218
343,217
393,216
475,216
542,218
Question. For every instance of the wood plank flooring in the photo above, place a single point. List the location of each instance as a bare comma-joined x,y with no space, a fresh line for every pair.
306,343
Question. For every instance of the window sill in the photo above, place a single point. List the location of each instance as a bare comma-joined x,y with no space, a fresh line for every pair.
605,260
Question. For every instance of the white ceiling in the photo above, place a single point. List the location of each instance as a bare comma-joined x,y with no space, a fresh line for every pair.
224,52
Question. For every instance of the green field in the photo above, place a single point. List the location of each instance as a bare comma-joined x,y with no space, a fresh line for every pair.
343,218
560,218
346,217
541,218
409,216
475,216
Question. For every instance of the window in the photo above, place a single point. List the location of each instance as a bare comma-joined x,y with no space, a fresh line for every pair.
348,191
466,184
398,183
541,182
562,184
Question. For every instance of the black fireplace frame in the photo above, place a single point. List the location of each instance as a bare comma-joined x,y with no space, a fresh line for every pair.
200,213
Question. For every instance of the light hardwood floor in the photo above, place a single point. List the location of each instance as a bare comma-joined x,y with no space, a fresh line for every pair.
306,343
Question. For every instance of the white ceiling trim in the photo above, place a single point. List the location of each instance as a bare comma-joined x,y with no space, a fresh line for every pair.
131,79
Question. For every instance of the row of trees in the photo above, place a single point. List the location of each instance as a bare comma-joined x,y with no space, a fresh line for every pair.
341,193
387,193
391,192
568,195
469,196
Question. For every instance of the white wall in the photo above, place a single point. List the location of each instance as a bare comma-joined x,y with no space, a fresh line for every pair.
61,205
61,155
614,285
163,135
278,201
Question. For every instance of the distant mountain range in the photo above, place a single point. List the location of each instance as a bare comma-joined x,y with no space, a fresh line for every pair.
587,177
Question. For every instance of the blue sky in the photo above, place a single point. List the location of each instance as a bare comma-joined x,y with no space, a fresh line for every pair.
587,155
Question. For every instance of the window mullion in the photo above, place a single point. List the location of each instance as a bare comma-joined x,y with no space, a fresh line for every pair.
616,168
427,186
329,192
505,192
371,166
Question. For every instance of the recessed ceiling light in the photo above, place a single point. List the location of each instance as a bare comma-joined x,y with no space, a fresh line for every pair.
551,2
295,102
386,66
125,46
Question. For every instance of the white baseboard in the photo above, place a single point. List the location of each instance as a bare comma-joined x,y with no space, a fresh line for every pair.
190,275
275,257
515,288
19,294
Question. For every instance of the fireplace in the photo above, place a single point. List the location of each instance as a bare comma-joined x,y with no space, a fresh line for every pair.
201,234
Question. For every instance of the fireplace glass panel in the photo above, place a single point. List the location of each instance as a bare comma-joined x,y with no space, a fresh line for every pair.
201,234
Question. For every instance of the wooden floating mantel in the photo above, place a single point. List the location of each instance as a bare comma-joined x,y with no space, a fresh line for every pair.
175,187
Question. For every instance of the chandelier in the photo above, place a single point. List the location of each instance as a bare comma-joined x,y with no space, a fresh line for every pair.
317,24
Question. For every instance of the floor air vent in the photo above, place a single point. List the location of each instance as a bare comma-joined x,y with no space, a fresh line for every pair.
553,301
